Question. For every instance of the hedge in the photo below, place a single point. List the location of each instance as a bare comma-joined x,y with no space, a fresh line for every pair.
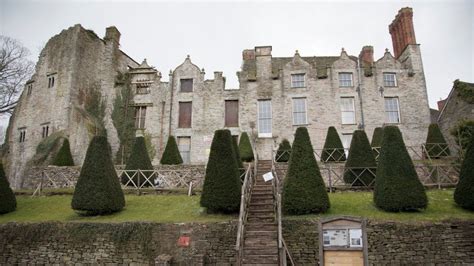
171,154
333,151
464,193
138,160
7,197
246,152
284,151
360,166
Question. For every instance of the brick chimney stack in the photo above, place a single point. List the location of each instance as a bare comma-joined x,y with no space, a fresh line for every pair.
367,55
402,30
248,54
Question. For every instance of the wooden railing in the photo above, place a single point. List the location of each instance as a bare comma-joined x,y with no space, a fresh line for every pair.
244,203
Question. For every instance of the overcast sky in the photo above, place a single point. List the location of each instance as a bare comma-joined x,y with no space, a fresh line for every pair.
215,33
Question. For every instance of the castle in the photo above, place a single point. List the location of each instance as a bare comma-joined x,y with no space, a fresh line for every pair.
83,84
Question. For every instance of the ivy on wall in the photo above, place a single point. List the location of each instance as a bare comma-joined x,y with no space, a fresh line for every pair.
465,90
91,106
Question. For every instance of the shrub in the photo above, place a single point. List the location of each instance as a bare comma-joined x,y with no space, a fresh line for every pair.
283,152
98,189
7,197
464,193
377,137
360,156
171,154
333,150
221,189
462,133
397,187
64,156
245,148
436,146
138,160
304,190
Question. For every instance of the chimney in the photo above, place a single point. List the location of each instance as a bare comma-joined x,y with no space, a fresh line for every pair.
441,104
248,54
367,55
112,34
402,31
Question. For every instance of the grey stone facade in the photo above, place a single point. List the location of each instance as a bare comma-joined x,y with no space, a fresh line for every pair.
79,60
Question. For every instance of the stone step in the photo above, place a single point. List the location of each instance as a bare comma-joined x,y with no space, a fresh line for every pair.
261,251
261,219
260,234
260,259
268,207
262,192
256,243
261,226
261,195
262,211
261,201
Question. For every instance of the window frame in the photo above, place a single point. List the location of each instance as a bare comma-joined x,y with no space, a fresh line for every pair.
341,85
22,131
186,159
270,134
141,124
343,111
181,84
180,125
44,130
51,81
305,111
226,124
398,110
292,82
395,82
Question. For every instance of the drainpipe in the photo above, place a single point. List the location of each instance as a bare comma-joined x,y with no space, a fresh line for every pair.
359,92
171,101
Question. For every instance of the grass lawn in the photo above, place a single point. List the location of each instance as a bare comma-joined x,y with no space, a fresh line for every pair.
181,208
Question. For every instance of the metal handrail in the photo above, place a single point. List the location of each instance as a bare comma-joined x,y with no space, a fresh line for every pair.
244,202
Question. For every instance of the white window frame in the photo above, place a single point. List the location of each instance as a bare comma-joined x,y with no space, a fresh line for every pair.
344,111
346,148
341,85
187,158
264,135
385,81
296,83
386,111
305,122
140,117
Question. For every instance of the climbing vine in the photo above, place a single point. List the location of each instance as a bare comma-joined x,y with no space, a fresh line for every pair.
465,90
91,106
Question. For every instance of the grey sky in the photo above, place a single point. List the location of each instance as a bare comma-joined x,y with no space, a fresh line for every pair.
215,33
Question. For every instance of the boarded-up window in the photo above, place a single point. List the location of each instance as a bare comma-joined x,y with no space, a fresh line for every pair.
140,115
184,147
232,113
186,85
185,114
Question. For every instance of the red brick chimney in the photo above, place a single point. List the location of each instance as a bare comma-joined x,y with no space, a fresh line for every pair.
367,55
402,30
441,104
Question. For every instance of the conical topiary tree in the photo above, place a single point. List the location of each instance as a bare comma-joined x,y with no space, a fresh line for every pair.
377,141
304,190
171,154
221,189
284,151
333,150
246,152
464,193
436,146
240,165
64,156
359,169
98,188
7,197
397,187
138,160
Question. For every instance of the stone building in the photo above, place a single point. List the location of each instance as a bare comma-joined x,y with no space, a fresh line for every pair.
275,96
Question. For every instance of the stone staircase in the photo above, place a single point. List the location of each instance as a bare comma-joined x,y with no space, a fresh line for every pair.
261,230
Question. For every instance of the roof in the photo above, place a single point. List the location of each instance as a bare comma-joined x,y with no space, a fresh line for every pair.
321,63
464,91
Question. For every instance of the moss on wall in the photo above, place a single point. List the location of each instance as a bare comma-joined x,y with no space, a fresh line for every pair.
91,106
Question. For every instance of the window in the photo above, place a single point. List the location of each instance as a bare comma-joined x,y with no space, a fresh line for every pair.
29,88
346,142
299,111
184,147
186,85
347,111
140,115
265,118
389,79
50,81
232,113
185,114
392,110
22,132
143,87
297,80
45,131
345,80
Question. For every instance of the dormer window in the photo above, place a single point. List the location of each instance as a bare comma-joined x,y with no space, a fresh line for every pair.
51,81
389,79
186,85
298,80
345,79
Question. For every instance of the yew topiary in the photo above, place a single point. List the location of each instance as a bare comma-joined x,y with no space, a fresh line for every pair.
7,197
377,137
64,156
304,190
436,146
397,186
138,160
464,193
246,152
333,150
284,151
221,189
98,188
171,154
360,166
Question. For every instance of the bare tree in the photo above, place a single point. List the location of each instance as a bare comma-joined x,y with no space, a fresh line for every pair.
15,70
